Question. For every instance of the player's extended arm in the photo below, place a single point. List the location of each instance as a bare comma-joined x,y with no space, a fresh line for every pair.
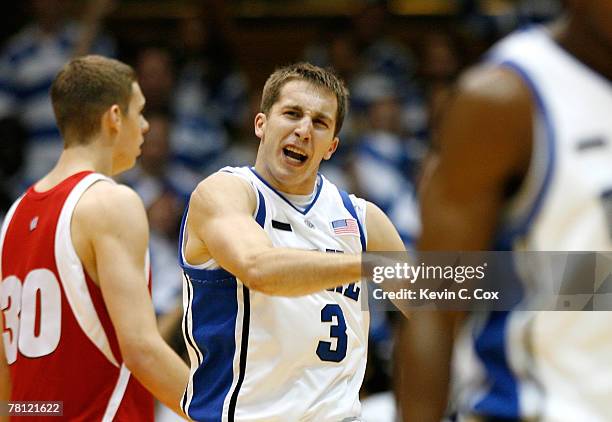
484,143
113,220
220,224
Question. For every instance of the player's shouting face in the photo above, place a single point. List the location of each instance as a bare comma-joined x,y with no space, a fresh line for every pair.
296,134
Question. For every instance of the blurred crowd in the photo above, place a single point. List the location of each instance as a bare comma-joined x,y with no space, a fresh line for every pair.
201,103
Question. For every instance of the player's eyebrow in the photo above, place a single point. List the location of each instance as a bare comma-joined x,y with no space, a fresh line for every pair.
315,115
294,107
323,116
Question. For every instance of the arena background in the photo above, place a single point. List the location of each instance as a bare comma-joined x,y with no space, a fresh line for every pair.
202,65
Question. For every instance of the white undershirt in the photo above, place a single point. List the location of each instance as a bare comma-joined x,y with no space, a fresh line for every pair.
302,201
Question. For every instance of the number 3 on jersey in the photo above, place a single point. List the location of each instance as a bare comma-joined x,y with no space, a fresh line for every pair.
337,331
33,333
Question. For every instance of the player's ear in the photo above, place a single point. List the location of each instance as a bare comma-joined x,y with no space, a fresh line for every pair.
112,118
332,148
260,125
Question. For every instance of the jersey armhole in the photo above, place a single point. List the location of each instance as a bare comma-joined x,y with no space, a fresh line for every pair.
259,214
7,221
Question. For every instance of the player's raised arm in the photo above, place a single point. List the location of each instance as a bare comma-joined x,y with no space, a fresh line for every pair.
221,225
110,230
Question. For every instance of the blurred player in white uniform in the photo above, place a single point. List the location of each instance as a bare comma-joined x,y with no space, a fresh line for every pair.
524,162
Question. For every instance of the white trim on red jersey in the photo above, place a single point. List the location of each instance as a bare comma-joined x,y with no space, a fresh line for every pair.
117,396
72,274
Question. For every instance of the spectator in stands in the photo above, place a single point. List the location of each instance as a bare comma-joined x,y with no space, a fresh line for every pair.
28,64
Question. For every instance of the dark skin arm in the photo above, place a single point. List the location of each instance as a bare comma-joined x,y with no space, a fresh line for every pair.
484,142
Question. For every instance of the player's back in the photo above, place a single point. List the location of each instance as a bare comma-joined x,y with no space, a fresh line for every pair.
58,337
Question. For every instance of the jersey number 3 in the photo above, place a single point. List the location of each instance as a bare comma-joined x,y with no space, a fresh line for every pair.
32,314
336,331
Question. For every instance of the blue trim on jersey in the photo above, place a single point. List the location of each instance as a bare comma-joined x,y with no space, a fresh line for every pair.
213,303
218,274
348,204
246,318
507,235
260,217
214,310
538,27
180,242
502,399
188,339
319,189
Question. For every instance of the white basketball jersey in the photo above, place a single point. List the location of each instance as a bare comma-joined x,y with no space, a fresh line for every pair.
552,366
256,357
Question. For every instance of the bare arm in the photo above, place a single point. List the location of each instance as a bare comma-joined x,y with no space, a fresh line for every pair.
220,211
110,226
5,380
484,142
382,235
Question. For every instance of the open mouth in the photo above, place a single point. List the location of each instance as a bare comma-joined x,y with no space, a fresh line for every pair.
294,154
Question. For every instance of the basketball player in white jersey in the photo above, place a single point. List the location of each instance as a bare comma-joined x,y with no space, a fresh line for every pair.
274,310
524,157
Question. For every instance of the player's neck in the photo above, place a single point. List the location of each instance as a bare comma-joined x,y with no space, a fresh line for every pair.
584,45
302,189
74,160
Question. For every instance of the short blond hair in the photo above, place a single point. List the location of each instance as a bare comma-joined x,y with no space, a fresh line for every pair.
84,89
315,75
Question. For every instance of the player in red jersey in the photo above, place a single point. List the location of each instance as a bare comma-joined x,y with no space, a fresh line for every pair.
75,300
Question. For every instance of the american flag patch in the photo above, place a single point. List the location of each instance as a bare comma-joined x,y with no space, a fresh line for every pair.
345,226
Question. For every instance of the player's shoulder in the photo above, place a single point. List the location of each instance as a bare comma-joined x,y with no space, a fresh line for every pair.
223,187
490,102
493,85
108,195
222,180
106,202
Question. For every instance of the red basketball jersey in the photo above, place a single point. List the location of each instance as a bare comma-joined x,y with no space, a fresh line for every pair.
58,337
